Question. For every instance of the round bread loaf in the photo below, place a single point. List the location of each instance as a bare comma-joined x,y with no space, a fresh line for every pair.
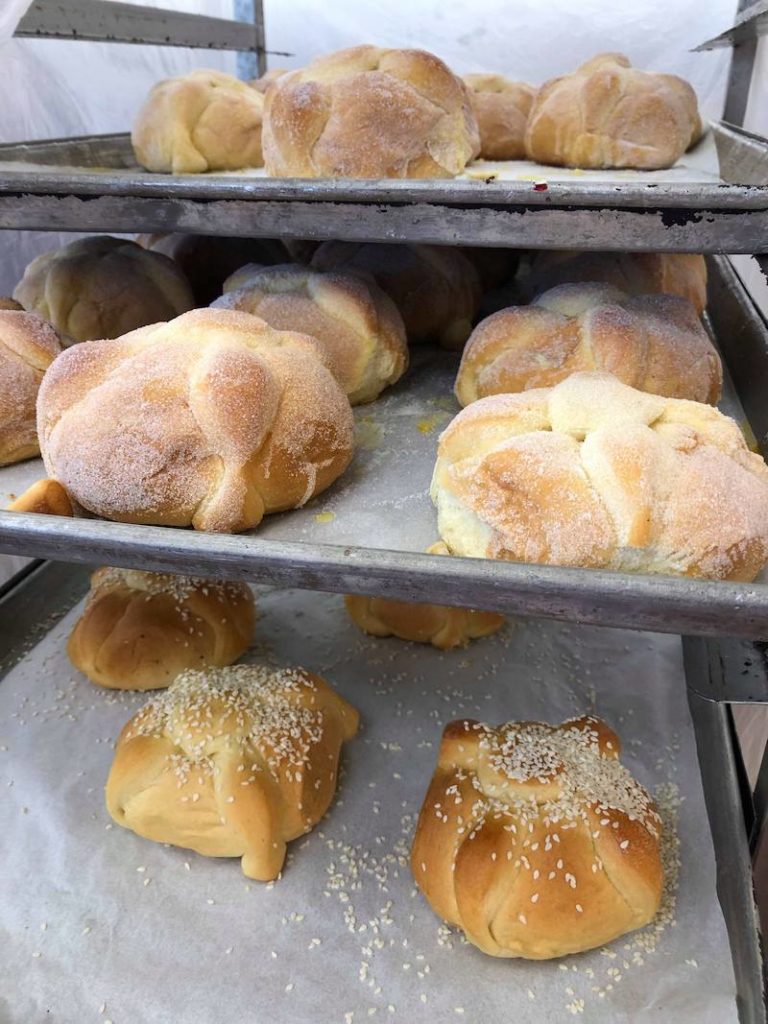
102,287
202,121
140,630
501,107
208,260
369,113
28,346
232,762
596,474
535,840
436,288
214,420
357,325
655,343
609,114
636,273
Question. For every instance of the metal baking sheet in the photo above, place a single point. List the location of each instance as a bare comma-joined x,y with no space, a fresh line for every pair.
101,924
93,184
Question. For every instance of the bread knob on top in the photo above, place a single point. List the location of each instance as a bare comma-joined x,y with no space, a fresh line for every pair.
232,762
212,420
535,840
593,473
139,630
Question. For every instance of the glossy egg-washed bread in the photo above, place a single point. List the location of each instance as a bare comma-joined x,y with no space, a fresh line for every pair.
609,114
636,273
212,420
28,346
202,121
102,287
655,343
535,840
232,762
355,322
368,112
139,630
501,107
435,288
596,474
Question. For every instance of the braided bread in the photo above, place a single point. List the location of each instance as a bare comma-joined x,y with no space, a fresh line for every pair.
594,473
214,420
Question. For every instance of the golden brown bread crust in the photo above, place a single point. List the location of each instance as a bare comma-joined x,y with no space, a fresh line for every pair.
102,287
212,420
609,114
28,346
45,497
139,630
435,288
203,121
655,343
268,79
636,273
208,260
232,762
535,840
593,473
501,107
366,112
356,323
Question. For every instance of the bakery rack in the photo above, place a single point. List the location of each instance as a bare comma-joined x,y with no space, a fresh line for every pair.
93,184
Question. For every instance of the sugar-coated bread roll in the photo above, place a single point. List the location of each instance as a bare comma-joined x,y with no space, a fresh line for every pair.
501,107
609,114
102,287
232,762
436,288
45,497
28,346
369,113
636,273
535,840
202,121
139,630
208,260
8,303
212,420
357,325
655,343
594,473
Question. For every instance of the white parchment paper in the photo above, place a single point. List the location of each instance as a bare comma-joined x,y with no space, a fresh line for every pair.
97,924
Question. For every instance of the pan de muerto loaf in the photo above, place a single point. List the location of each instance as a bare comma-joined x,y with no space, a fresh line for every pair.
609,114
501,108
594,473
655,343
356,323
232,762
102,287
369,113
139,630
28,346
212,420
203,121
535,840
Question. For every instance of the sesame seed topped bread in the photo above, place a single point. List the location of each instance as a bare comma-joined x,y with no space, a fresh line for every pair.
655,343
596,474
103,287
367,112
232,762
609,114
212,420
535,840
501,107
355,322
139,630
28,346
202,121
